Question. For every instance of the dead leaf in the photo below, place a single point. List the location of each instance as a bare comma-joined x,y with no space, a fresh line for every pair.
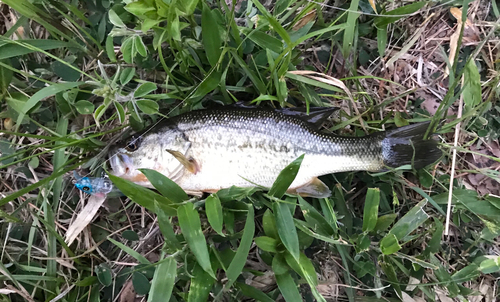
310,16
372,4
128,292
84,218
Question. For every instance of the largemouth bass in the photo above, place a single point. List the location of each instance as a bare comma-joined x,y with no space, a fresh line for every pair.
209,150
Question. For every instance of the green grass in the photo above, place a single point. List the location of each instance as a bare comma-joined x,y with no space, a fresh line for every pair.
102,67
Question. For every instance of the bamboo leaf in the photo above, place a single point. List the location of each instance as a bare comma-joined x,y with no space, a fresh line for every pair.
240,258
370,213
163,281
285,178
211,35
190,224
286,228
41,94
213,209
142,195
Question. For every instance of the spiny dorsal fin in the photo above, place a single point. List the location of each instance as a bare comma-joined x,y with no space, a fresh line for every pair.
316,117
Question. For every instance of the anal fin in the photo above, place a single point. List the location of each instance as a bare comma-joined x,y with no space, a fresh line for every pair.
315,188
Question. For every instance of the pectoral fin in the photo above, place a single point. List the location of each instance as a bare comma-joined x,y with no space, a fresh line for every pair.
315,188
189,163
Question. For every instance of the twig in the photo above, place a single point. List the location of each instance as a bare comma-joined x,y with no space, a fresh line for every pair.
453,161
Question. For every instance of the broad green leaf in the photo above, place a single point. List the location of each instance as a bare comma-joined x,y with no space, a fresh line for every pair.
120,111
370,213
410,221
66,71
130,235
288,288
127,74
207,85
305,269
166,228
262,39
41,94
490,266
390,272
240,258
141,283
286,228
434,245
5,76
301,225
383,21
468,273
110,49
472,85
384,222
389,244
165,186
350,30
139,8
189,221
269,224
141,195
211,35
340,206
131,252
213,210
148,106
267,244
316,221
273,22
114,19
144,89
139,46
11,49
381,40
253,293
285,178
103,272
163,281
429,199
187,7
128,49
84,107
201,285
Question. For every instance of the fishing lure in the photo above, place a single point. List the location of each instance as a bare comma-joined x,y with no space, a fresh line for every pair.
93,185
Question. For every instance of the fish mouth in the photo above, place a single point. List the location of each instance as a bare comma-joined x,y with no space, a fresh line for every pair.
121,164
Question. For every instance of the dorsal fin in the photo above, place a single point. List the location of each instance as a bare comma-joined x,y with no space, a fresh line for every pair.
316,117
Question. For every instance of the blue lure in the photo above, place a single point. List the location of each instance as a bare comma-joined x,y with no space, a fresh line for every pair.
93,185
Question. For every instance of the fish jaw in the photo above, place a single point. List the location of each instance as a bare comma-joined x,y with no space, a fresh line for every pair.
123,167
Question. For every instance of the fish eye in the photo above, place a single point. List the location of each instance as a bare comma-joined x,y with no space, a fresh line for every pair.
85,188
134,144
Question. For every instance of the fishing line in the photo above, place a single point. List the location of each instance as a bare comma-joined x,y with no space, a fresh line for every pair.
163,116
213,69
375,15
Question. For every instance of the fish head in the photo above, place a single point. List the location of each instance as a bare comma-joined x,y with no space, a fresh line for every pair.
144,152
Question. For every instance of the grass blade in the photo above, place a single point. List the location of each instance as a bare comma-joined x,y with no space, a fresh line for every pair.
286,228
211,36
239,260
370,213
163,281
213,210
165,186
41,94
141,195
285,178
190,224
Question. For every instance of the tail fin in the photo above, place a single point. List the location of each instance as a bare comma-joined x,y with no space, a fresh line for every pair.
406,146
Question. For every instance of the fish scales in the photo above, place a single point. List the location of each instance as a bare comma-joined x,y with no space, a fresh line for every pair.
244,147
